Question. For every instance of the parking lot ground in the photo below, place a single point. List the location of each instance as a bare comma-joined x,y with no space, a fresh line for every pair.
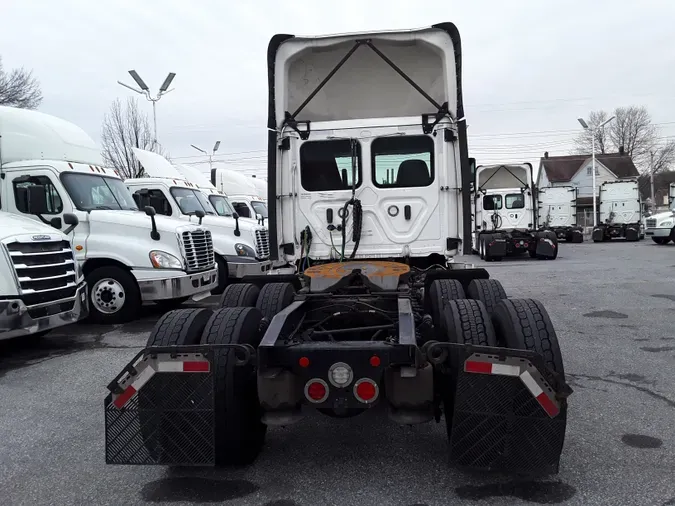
613,306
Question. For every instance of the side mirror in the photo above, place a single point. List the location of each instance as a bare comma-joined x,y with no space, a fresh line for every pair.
72,220
32,199
237,232
56,222
235,215
150,211
200,214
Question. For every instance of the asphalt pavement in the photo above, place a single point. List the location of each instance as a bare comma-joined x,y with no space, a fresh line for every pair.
613,306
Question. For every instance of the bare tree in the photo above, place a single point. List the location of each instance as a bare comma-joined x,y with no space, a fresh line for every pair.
584,142
126,127
18,88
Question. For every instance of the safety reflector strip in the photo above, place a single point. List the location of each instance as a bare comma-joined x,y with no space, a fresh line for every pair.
483,366
146,369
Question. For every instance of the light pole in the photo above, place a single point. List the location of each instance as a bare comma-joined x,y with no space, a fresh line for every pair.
592,130
144,90
210,155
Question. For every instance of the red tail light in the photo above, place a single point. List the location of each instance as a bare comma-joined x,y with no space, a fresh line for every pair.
316,390
366,390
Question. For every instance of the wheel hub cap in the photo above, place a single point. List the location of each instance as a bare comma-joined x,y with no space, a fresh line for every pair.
107,296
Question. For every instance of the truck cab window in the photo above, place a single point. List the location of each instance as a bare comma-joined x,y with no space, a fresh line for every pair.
156,199
54,202
190,201
327,165
242,209
91,191
403,161
515,201
221,205
492,202
259,208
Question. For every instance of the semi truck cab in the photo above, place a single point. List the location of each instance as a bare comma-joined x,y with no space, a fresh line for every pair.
51,169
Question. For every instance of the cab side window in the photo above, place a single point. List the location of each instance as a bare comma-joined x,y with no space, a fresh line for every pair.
154,198
54,202
242,209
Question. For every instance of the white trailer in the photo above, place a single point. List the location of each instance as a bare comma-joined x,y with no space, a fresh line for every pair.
557,211
51,169
41,284
620,209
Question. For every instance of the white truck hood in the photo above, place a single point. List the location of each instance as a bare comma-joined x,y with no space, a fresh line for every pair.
137,219
13,224
659,217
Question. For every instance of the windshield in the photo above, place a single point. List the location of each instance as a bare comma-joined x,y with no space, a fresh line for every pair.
259,208
191,201
221,205
91,191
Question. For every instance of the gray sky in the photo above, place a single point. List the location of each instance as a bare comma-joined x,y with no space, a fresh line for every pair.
530,68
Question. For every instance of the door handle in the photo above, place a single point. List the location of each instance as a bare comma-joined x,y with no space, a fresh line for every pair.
407,212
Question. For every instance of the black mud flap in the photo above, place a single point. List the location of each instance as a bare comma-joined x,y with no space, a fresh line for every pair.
598,234
160,409
546,246
496,247
510,412
632,233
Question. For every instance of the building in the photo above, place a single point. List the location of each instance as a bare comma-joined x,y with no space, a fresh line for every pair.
577,171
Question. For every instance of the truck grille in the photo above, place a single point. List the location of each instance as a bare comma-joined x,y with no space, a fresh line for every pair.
262,243
651,223
198,250
46,271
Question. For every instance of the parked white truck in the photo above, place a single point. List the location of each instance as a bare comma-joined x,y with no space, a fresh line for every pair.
661,226
41,284
242,192
504,214
51,169
620,209
240,248
557,206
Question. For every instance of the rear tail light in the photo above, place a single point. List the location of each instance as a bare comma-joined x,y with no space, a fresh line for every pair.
316,390
366,390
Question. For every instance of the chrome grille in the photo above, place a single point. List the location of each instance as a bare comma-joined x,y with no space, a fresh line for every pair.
651,222
262,243
198,250
45,270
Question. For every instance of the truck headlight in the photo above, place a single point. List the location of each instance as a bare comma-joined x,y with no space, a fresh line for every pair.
163,260
244,251
668,223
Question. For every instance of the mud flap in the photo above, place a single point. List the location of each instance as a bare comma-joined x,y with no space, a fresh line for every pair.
598,234
632,233
546,245
507,416
161,409
495,247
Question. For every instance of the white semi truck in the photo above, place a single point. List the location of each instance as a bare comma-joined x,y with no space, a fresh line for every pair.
240,248
51,169
41,284
661,226
369,179
557,211
242,193
620,211
504,219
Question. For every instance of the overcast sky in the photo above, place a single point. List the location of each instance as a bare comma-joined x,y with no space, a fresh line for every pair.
530,68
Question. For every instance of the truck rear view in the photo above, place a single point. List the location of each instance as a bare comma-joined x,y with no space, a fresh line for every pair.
620,211
372,210
558,212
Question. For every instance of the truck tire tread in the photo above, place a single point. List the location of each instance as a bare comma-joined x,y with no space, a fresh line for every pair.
467,321
488,291
524,324
275,297
179,327
441,292
240,295
240,433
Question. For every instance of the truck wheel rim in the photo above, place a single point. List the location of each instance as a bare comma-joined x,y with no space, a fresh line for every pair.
107,296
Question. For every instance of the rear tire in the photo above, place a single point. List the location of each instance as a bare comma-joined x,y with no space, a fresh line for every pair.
275,297
441,292
524,324
240,295
240,433
488,291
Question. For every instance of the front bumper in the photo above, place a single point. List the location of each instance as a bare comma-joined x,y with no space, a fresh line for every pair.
658,232
17,319
157,284
238,267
